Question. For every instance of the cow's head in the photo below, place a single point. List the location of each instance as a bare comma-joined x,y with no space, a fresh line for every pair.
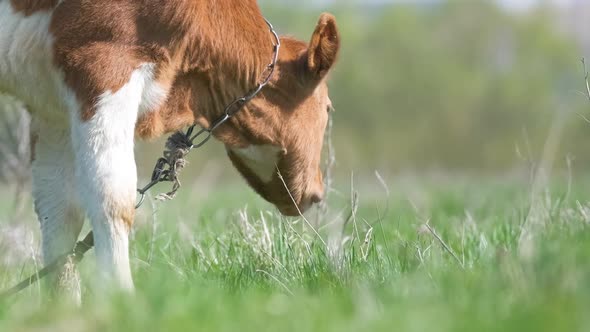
287,121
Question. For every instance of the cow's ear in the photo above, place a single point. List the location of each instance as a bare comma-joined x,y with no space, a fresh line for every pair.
324,46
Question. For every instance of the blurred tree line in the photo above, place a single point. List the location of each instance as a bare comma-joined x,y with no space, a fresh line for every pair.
451,85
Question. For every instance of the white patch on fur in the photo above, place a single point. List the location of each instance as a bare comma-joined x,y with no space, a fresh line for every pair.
106,171
99,152
154,95
28,73
27,69
260,159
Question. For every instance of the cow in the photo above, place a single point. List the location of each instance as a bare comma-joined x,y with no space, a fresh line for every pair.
96,75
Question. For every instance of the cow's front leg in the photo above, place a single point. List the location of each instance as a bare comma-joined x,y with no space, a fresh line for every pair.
56,203
106,176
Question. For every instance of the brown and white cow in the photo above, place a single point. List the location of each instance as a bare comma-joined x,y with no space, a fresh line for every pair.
97,74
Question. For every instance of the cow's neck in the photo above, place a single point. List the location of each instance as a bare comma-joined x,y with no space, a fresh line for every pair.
224,58
233,66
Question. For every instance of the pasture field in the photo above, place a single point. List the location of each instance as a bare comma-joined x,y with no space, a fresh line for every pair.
434,255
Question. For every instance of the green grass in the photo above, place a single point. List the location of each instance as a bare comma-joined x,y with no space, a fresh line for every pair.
217,266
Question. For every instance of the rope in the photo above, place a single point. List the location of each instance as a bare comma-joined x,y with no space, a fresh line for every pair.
75,255
178,147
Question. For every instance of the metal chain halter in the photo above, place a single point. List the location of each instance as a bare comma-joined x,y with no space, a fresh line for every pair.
179,145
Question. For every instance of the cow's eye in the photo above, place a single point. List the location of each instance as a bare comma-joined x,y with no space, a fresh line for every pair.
330,108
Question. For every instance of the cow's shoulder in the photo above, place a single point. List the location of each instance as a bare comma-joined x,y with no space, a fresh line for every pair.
29,7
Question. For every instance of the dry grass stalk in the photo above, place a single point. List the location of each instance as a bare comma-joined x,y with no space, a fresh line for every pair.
443,243
587,88
329,164
537,215
586,78
299,210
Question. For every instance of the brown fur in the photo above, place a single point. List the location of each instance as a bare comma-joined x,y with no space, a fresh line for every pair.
28,7
206,54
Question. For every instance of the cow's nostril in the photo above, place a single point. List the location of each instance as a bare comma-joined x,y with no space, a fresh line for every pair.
317,197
